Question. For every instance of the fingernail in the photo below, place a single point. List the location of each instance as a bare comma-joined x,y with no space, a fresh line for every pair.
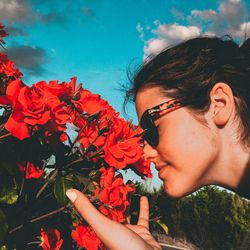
71,194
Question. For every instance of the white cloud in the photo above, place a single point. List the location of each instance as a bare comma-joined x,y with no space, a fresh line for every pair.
168,34
175,32
13,10
234,1
179,15
140,30
230,18
244,30
154,46
227,19
204,14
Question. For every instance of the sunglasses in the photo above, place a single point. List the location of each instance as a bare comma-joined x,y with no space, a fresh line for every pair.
151,134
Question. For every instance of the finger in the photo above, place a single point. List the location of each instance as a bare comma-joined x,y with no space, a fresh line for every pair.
83,205
143,219
128,219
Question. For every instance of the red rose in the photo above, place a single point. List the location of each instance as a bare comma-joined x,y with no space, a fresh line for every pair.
85,237
142,168
34,107
114,194
63,91
9,70
29,109
123,144
85,105
93,103
60,115
89,131
51,239
30,170
7,67
107,176
113,214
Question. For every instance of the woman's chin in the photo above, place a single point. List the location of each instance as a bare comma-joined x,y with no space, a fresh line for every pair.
175,192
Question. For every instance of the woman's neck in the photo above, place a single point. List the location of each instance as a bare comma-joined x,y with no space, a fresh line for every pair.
233,169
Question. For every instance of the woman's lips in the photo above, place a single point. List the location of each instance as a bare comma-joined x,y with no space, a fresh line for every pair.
162,170
158,168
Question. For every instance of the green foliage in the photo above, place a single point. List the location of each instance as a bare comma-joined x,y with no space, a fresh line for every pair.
162,225
8,186
4,247
3,226
60,187
211,218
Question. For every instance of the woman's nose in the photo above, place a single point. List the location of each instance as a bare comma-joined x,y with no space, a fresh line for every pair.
150,153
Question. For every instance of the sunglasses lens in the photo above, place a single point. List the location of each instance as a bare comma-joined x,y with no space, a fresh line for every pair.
151,133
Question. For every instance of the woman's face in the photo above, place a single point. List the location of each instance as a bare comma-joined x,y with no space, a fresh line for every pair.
187,148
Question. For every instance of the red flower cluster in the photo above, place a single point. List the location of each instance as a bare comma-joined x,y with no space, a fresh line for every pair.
7,69
86,237
51,239
113,194
119,139
104,144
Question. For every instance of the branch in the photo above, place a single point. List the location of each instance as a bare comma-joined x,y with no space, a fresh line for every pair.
50,179
37,219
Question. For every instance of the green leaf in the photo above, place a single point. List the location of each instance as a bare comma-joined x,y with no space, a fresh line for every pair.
8,190
60,187
163,226
3,226
82,180
3,247
8,196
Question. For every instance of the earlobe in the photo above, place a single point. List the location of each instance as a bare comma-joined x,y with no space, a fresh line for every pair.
222,103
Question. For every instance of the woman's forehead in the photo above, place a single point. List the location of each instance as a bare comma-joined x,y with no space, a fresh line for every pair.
148,98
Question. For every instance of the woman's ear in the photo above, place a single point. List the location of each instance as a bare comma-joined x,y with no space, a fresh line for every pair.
222,103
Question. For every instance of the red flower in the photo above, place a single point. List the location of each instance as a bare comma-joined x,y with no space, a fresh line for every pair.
31,170
142,168
90,131
123,144
29,109
86,237
7,67
92,103
63,91
107,176
113,214
9,70
2,33
34,107
114,194
60,115
51,239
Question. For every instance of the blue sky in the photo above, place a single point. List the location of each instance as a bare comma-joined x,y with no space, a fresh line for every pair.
98,40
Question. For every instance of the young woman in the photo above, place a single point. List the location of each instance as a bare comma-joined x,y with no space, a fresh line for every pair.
193,100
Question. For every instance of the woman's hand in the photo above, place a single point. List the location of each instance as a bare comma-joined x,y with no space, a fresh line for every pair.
114,235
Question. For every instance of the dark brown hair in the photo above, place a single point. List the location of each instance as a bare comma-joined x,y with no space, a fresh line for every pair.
191,69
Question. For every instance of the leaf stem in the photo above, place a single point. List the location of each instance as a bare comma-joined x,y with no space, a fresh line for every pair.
49,180
4,136
38,218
